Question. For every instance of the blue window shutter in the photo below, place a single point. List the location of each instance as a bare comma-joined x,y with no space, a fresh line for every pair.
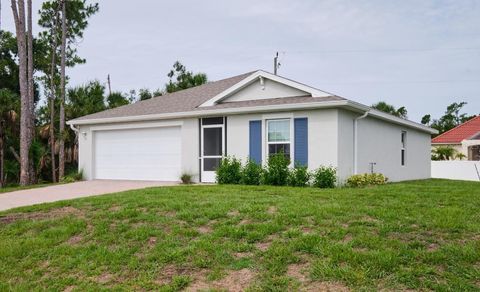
256,141
301,141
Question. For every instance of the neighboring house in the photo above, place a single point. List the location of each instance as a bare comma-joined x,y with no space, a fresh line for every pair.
464,138
248,116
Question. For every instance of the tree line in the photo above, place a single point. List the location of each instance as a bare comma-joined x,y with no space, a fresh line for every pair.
452,117
35,144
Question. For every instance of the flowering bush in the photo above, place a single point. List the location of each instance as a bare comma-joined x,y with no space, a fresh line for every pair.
366,179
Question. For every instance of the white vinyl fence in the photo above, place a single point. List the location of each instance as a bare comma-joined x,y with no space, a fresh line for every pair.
462,170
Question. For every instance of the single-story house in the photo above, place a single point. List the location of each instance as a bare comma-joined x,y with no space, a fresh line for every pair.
464,138
249,116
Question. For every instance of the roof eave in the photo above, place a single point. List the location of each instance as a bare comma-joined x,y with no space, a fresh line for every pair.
350,105
210,112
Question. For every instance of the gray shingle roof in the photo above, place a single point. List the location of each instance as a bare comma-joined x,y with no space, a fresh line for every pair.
180,101
189,100
273,101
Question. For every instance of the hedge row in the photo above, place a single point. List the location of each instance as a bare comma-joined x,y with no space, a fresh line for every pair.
276,173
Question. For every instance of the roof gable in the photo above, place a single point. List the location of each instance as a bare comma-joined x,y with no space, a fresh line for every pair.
264,85
264,89
459,133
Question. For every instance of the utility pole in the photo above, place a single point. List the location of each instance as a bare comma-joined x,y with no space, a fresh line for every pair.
109,86
275,64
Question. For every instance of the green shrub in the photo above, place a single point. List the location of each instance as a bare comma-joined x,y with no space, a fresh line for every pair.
186,178
73,176
299,177
67,179
229,171
366,179
325,177
276,172
251,173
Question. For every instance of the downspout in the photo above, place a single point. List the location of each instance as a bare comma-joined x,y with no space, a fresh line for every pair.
74,129
355,141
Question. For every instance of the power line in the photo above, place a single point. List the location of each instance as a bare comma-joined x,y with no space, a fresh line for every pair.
383,50
402,82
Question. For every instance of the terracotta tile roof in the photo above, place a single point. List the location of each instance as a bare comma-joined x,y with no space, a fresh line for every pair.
461,132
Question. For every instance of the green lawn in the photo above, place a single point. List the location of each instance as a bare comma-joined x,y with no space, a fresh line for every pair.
416,235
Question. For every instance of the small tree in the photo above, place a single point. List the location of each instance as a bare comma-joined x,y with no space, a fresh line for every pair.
444,153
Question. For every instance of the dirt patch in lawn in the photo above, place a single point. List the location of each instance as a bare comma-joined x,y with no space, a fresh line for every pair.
51,214
69,289
433,247
233,213
298,271
240,255
264,245
114,208
204,229
347,238
272,210
245,222
324,287
75,239
152,241
168,272
235,281
306,230
104,278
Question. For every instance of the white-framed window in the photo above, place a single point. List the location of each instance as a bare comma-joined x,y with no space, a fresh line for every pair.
279,137
403,151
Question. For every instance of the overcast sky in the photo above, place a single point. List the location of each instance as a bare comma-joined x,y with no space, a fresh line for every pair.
421,54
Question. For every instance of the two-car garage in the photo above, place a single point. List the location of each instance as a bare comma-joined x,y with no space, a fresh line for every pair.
137,153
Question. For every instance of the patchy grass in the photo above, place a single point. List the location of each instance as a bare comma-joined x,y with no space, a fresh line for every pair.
19,188
415,235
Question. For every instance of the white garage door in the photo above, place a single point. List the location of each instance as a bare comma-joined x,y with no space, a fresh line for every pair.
138,154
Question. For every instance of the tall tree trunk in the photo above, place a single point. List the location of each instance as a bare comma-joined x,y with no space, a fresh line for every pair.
61,152
31,89
52,99
19,18
2,153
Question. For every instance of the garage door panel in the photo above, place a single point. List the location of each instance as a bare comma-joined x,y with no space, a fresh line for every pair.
138,154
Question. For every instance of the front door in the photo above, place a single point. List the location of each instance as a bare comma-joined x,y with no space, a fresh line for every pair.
212,148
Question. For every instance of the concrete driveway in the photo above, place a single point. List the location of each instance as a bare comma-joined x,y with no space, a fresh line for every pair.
72,191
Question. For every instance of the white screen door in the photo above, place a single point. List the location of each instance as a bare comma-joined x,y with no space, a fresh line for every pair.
213,144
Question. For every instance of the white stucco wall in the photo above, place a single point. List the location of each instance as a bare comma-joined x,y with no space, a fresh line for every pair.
330,142
345,144
189,146
322,135
380,142
271,89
